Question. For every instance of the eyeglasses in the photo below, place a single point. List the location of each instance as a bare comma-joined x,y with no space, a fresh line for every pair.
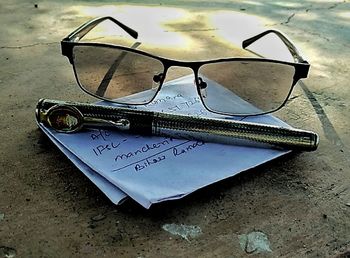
248,86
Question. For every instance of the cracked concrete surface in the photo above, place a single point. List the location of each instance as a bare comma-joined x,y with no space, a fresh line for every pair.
299,202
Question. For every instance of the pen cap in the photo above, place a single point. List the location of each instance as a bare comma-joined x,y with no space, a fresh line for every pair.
60,117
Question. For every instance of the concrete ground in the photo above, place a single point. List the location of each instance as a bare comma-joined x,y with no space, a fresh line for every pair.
301,203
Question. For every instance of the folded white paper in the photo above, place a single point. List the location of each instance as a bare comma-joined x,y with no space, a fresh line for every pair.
156,169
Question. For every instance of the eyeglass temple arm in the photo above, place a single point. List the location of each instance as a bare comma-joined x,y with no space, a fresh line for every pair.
289,44
80,32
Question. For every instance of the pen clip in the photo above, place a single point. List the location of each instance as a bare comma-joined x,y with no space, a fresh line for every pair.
121,124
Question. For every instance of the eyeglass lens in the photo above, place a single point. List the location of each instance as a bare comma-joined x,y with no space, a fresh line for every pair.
249,87
112,73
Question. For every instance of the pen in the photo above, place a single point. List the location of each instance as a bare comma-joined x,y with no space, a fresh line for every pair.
69,117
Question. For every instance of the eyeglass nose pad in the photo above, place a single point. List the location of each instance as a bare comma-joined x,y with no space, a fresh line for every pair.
202,84
202,87
158,77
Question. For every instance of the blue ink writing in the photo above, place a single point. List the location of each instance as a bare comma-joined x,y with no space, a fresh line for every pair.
149,162
180,151
101,134
144,149
165,99
98,150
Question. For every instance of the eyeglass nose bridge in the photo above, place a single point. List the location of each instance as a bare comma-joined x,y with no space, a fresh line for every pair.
194,66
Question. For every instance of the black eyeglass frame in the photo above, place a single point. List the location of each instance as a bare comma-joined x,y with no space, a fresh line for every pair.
300,65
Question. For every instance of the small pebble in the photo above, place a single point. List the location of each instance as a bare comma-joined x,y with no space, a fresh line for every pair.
2,216
98,217
185,231
348,204
7,252
255,242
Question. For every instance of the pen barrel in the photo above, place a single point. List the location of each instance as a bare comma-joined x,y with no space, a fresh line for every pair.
234,132
188,127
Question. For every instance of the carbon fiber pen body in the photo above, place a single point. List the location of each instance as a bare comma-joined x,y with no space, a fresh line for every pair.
194,128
